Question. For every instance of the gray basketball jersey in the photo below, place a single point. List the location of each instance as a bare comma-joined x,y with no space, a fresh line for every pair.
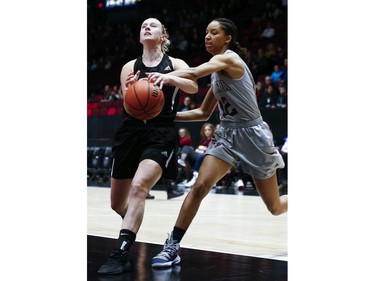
236,97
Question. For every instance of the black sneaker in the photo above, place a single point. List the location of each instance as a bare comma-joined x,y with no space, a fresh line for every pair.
117,263
174,193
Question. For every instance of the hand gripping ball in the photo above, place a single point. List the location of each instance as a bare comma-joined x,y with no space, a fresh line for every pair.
144,100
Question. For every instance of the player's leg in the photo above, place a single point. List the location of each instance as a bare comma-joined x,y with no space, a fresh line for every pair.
120,195
211,170
268,189
146,176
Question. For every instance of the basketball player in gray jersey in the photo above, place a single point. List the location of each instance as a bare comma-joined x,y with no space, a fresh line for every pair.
242,137
237,99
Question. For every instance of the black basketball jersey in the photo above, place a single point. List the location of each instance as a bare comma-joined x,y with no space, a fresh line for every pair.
171,93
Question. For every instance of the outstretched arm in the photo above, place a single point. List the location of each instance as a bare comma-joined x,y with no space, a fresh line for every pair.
230,64
186,85
203,113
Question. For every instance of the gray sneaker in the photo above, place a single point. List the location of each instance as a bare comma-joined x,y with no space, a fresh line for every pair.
169,256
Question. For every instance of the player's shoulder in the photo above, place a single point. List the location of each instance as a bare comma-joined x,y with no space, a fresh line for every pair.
227,56
129,65
178,63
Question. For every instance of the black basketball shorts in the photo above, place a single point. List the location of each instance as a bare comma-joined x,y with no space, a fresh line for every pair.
135,143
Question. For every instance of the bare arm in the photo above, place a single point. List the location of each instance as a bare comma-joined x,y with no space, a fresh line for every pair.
230,64
127,76
187,85
203,113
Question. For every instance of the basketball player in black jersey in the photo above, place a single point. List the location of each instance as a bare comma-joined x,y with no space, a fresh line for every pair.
144,151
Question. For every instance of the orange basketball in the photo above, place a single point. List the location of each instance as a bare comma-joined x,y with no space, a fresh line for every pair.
144,100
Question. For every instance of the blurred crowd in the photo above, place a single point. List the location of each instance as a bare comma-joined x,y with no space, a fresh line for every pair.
113,40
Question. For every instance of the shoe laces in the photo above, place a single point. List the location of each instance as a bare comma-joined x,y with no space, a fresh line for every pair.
117,254
170,247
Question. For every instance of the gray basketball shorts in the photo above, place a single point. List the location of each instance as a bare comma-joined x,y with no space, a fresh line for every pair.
251,144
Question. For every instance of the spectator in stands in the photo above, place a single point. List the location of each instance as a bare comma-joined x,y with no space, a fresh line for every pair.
112,95
185,137
192,105
268,82
106,93
206,133
277,74
261,91
186,104
144,152
282,98
186,154
269,100
115,93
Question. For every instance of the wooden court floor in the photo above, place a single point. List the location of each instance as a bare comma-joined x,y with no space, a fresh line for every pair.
232,238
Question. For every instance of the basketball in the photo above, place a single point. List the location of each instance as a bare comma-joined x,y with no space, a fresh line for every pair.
144,100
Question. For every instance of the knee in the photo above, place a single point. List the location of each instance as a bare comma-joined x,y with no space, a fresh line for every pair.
275,209
138,191
199,190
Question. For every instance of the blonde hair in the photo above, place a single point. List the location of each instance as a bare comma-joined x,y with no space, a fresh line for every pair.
167,42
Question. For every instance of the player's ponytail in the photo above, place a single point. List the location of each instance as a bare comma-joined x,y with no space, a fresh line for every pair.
165,45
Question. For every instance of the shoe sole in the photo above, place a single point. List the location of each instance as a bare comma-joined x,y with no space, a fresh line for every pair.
175,195
176,261
119,270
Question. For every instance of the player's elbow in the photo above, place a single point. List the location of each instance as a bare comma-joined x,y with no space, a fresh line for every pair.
205,116
194,88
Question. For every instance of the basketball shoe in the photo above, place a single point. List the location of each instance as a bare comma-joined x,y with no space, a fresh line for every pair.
174,193
117,263
169,256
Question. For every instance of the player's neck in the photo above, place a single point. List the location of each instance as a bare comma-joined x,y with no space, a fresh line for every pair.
151,56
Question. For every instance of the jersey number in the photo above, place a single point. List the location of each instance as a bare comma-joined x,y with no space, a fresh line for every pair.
227,108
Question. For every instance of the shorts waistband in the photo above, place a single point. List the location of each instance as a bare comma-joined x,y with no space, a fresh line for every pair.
244,124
